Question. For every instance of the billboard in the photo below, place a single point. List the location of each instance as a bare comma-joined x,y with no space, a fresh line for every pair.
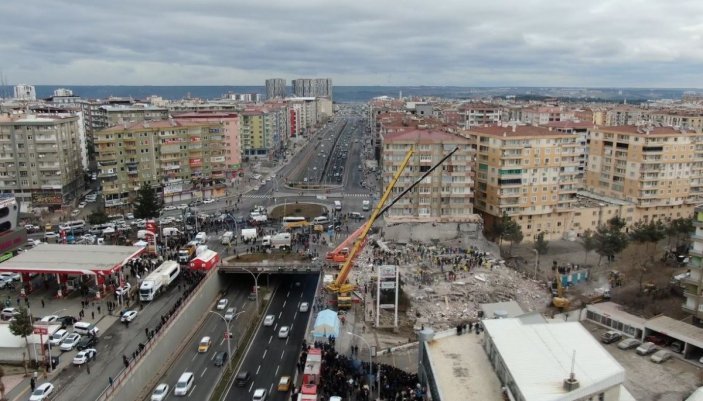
386,271
47,199
173,187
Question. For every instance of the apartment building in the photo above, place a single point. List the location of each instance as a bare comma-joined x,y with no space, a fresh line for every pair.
544,115
693,284
275,88
41,158
445,195
232,142
121,114
263,130
652,167
474,114
527,172
317,87
182,159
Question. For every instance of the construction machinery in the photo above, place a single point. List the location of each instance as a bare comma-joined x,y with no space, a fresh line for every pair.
559,300
340,287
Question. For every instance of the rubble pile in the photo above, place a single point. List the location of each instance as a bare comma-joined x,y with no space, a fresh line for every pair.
445,286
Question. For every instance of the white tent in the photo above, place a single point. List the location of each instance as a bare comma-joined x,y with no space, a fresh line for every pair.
326,324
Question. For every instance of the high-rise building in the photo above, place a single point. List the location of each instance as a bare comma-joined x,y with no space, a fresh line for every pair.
655,168
41,158
317,87
264,130
275,87
183,159
527,172
25,92
445,195
693,284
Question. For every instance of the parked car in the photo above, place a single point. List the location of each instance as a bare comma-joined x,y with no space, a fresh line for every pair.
85,356
208,201
50,235
610,337
70,342
220,358
647,348
677,346
629,343
86,342
124,289
160,392
9,313
57,337
658,340
660,356
42,392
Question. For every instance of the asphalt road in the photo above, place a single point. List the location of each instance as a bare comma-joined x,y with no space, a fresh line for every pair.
201,364
74,383
270,357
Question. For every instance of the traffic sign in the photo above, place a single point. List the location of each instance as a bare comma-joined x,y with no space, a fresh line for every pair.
41,330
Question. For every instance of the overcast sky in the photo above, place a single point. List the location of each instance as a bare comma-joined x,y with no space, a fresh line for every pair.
627,43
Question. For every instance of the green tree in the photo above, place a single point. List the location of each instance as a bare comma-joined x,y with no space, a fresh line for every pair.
610,239
97,217
23,326
147,204
499,228
512,232
648,234
588,242
541,245
679,230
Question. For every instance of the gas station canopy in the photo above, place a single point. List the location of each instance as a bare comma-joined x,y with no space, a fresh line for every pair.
71,259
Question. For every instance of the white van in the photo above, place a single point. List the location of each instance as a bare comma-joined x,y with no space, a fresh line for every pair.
365,205
226,238
337,205
201,237
185,382
85,328
72,225
320,220
170,231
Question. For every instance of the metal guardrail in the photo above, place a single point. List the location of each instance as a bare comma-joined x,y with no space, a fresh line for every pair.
277,267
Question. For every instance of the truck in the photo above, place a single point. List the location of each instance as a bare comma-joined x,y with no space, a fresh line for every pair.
277,241
258,218
187,252
159,280
249,234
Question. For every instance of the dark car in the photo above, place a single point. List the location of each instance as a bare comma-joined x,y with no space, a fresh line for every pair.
658,340
67,320
220,358
86,342
242,379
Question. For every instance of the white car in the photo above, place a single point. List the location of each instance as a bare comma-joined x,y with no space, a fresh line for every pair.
50,234
182,206
57,337
283,332
12,275
124,289
82,205
168,208
304,307
70,342
229,315
208,201
269,319
222,304
75,212
160,392
129,216
84,356
259,395
49,319
42,392
128,316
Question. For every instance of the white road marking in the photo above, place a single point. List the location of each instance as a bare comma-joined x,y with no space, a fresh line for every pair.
270,338
271,388
295,314
277,366
223,340
286,344
192,390
194,356
251,386
284,304
264,355
203,374
288,294
284,351
257,369
280,314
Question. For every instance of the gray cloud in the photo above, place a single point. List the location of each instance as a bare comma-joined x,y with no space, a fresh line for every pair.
652,43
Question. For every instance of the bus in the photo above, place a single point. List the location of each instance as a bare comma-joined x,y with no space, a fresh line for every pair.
290,222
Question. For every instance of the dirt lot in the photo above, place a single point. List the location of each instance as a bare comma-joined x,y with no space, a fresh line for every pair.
673,380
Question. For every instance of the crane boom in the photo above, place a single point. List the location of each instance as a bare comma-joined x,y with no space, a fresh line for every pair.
339,284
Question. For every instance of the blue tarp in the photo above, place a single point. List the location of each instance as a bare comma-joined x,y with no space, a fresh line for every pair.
326,324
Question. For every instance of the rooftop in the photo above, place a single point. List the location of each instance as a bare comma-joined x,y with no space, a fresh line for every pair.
643,130
551,347
517,131
461,369
71,259
676,328
424,137
612,309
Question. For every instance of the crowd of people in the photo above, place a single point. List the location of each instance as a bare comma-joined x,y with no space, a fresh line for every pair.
350,378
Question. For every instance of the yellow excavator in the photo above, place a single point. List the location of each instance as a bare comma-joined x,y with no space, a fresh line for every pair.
340,287
559,300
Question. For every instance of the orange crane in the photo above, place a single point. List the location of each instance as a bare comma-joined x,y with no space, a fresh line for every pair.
340,286
339,254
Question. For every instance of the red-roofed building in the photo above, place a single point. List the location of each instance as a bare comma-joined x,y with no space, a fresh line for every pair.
445,195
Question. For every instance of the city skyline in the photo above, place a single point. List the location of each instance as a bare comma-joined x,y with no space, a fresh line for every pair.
503,43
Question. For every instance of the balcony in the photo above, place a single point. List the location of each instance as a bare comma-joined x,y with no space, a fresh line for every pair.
45,138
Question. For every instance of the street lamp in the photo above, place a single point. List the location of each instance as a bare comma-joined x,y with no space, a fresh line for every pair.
229,333
378,390
256,285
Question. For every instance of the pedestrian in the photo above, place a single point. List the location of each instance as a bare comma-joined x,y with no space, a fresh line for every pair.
109,379
98,309
92,315
42,302
32,384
